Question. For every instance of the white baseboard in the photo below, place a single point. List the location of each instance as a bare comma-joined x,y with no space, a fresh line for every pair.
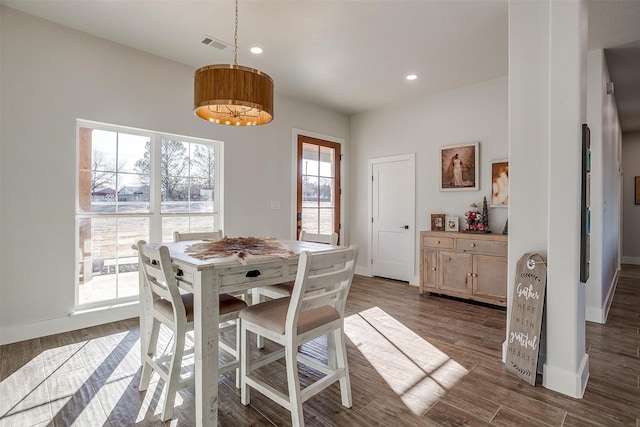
610,295
570,383
630,260
362,271
599,314
78,320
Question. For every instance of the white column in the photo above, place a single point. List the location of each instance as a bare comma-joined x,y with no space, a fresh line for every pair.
547,105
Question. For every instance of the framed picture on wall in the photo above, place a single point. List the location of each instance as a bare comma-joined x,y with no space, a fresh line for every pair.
460,167
585,202
500,183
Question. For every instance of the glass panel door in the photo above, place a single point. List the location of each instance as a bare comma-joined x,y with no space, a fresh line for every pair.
318,209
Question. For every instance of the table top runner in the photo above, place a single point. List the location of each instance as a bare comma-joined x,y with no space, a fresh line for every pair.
239,247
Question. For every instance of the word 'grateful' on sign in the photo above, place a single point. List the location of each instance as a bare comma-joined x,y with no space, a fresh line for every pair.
526,317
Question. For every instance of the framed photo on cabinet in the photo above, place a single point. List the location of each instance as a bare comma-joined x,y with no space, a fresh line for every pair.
437,222
460,167
451,223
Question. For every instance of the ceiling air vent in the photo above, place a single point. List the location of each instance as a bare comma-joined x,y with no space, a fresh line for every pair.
215,43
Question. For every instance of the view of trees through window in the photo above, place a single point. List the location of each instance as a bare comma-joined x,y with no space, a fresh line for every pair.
119,204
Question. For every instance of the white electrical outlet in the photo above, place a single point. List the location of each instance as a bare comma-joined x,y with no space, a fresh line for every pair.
275,204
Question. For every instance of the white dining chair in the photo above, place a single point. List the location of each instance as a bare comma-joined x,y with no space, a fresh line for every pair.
282,290
315,308
285,289
204,235
175,310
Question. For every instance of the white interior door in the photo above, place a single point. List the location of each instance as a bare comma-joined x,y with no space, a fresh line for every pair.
393,217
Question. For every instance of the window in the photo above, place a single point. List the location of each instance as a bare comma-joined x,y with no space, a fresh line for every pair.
137,185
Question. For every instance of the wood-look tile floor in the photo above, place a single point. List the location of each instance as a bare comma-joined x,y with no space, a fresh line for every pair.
414,361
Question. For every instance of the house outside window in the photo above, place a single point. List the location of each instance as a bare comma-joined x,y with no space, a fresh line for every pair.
136,185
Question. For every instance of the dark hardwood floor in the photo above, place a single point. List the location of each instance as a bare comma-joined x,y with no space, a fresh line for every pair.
414,361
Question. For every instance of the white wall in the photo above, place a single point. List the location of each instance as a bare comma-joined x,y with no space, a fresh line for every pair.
473,113
631,211
547,105
602,117
52,75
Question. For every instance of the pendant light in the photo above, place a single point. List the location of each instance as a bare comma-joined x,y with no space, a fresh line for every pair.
231,94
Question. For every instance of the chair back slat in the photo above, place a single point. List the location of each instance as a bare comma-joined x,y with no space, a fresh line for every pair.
318,300
205,235
326,279
155,278
159,279
323,279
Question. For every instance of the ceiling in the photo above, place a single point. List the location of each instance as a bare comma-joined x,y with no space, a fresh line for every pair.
350,56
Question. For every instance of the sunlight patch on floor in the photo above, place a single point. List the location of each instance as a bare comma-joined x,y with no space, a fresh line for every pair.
416,370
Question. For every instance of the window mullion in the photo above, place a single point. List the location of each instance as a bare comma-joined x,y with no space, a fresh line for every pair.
155,188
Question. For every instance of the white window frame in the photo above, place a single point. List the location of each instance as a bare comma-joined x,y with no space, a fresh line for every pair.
155,214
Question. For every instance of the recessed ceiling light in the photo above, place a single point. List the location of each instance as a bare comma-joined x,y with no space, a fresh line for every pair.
257,50
411,77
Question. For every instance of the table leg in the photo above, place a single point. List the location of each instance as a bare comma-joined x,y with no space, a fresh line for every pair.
206,315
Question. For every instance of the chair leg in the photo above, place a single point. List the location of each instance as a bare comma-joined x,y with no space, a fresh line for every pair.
150,351
331,351
238,343
174,375
341,360
245,397
257,298
293,382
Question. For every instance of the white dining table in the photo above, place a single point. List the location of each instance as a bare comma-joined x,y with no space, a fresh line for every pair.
207,279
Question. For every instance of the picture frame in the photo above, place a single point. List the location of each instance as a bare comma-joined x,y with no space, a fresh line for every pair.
637,190
437,222
460,167
451,223
500,183
585,203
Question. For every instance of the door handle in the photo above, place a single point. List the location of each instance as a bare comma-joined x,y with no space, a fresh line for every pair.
406,227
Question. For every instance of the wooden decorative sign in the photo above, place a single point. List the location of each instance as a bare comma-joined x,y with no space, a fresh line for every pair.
523,339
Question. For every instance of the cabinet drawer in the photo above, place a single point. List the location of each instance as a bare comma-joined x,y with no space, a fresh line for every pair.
473,245
438,242
251,274
500,248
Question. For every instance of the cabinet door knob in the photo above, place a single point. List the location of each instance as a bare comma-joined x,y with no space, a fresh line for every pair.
437,242
470,274
433,269
473,245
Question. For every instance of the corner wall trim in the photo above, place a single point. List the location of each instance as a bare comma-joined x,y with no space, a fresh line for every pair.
565,382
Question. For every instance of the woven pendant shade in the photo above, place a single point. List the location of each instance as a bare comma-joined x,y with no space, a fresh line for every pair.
231,94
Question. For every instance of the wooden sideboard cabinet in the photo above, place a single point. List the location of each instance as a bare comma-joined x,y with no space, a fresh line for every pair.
464,265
